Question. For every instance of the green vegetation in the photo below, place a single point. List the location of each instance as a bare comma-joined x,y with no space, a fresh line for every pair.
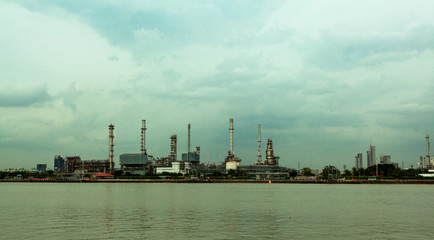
330,172
386,171
307,172
293,173
239,174
28,174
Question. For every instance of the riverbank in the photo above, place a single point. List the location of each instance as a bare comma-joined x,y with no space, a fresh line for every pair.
381,181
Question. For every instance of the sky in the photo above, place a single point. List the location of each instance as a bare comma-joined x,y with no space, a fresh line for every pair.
325,79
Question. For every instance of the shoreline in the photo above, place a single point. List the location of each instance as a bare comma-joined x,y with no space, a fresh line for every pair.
382,181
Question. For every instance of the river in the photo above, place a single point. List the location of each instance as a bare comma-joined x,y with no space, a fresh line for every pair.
215,211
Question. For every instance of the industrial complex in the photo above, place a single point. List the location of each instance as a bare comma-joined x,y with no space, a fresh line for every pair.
143,163
188,164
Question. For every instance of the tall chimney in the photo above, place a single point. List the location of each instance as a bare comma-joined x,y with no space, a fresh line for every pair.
428,158
111,145
231,136
188,150
143,147
173,140
259,143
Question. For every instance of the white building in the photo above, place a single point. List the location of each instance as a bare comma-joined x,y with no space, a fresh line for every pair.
177,167
232,165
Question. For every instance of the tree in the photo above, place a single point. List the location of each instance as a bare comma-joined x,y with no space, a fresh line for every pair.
216,173
330,172
118,173
293,173
307,172
346,173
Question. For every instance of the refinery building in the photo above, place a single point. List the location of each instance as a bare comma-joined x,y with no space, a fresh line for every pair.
143,163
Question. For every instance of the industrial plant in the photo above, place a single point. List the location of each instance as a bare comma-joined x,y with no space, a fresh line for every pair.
188,166
143,163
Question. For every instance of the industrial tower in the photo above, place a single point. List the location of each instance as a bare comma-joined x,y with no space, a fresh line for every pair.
143,145
232,162
111,145
173,143
428,158
270,159
259,145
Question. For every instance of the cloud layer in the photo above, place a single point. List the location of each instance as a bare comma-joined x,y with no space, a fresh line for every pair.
323,78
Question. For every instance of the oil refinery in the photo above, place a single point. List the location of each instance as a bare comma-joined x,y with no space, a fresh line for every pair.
143,162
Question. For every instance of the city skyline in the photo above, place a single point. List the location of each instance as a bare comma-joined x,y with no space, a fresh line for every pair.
322,79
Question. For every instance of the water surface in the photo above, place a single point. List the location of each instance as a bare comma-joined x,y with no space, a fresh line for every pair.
215,211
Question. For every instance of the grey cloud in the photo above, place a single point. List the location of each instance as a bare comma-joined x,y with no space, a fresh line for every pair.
171,74
70,95
230,79
341,51
113,58
23,97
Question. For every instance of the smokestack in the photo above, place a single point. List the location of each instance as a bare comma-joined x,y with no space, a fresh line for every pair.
189,126
111,145
427,150
173,140
143,147
259,143
231,136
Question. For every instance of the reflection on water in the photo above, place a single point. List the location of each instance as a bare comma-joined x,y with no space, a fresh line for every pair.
214,211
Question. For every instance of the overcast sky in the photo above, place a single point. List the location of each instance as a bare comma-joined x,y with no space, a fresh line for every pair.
324,78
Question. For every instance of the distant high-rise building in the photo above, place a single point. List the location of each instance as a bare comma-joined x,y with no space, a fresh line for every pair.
359,161
385,159
41,167
371,156
59,163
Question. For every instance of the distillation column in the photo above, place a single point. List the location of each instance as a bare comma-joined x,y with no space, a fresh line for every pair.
188,150
232,162
143,147
428,158
259,144
173,142
231,136
271,160
111,145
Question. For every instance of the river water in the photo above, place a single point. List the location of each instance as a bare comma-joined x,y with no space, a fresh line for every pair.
215,211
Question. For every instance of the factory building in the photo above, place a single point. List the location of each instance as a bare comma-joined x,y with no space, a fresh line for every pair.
176,167
71,163
191,157
134,161
74,163
138,162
